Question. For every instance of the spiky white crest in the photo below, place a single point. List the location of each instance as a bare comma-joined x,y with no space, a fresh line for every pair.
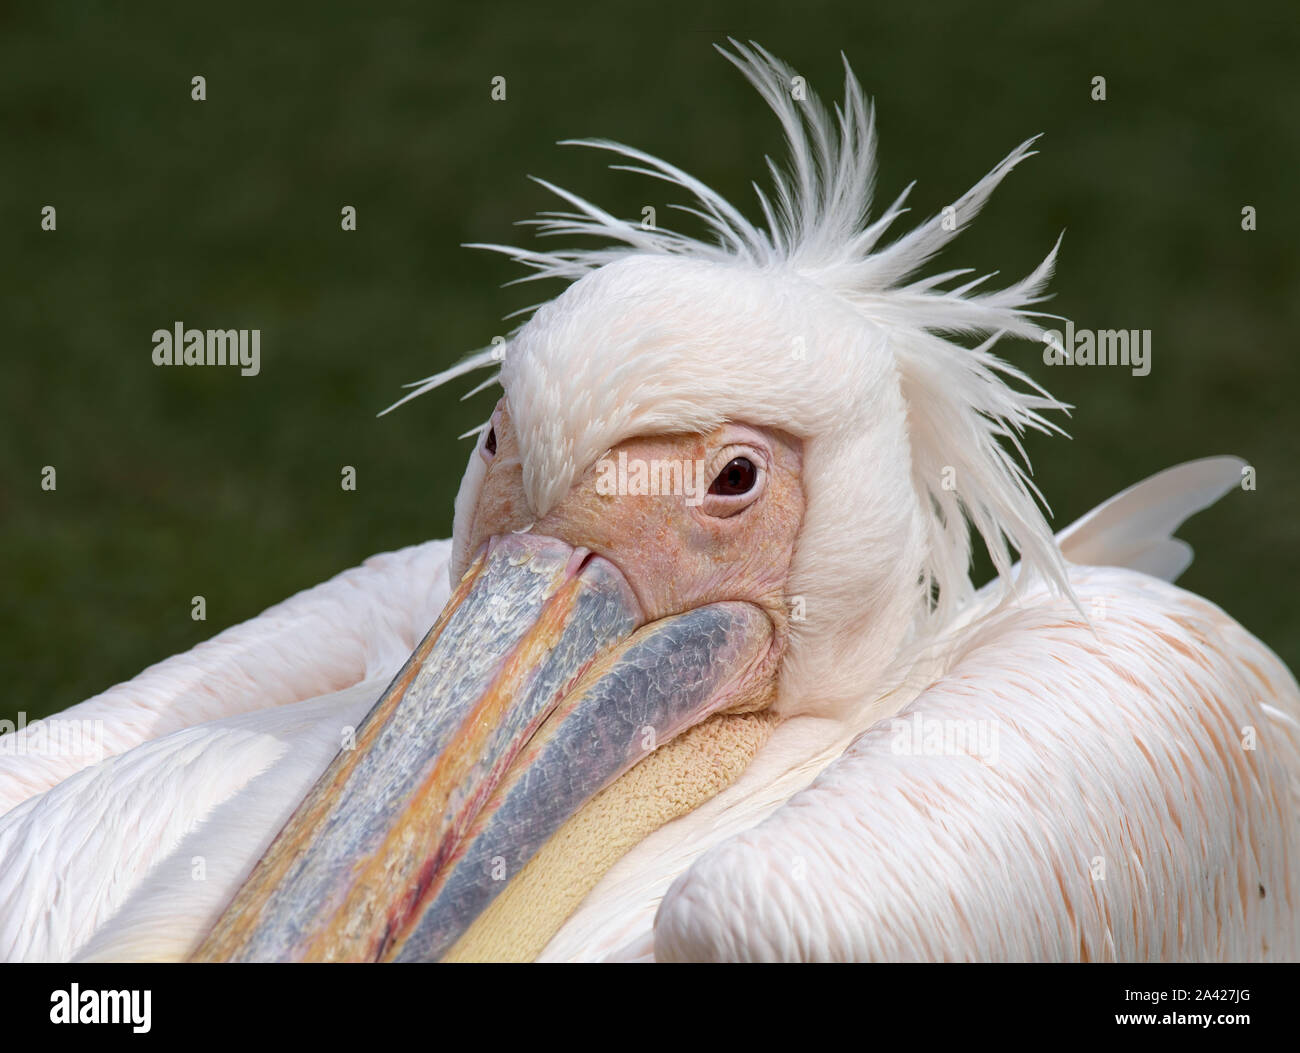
959,402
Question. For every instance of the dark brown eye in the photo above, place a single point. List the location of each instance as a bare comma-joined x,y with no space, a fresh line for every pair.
490,443
737,478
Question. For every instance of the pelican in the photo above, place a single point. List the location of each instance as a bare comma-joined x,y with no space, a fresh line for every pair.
702,673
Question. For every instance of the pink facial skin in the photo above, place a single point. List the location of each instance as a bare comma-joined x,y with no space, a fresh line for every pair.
676,554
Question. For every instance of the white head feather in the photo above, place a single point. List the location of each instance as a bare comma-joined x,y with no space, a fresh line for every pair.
805,324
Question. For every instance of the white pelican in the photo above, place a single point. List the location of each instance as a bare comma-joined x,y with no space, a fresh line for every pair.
773,720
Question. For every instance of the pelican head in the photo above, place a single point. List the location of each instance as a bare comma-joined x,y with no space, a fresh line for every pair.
728,483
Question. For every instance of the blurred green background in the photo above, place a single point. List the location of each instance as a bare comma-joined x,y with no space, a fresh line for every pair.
225,213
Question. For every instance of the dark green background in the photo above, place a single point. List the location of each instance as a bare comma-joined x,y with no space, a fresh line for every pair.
225,213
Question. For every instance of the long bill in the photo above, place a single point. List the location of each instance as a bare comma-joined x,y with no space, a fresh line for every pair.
538,686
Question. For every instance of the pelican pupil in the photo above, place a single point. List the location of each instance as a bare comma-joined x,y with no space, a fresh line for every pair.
737,478
490,444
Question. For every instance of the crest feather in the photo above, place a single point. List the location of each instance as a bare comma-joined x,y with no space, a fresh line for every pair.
966,406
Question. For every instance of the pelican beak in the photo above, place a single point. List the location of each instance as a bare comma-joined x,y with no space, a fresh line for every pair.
538,686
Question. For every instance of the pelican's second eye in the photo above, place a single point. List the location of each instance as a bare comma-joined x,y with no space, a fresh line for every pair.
738,477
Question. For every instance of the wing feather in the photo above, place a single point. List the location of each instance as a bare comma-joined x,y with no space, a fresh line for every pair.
1135,528
319,641
1139,803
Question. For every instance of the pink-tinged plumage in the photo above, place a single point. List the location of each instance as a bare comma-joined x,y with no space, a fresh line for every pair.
321,640
1129,814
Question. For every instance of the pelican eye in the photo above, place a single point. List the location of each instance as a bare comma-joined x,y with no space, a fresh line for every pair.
738,477
490,443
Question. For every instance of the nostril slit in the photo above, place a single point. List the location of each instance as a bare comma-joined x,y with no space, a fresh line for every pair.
579,560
